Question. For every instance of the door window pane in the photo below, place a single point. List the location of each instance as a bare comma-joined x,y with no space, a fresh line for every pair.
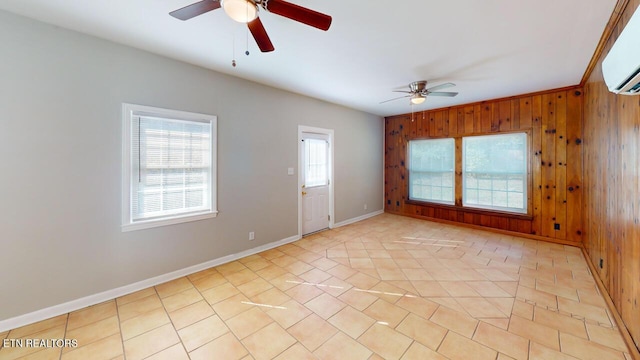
316,162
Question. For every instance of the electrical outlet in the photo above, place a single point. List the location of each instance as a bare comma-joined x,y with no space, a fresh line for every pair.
365,206
252,235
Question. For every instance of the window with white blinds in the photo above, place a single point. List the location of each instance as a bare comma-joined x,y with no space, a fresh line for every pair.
431,170
169,166
494,172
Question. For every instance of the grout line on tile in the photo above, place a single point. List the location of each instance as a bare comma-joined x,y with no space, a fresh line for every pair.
66,325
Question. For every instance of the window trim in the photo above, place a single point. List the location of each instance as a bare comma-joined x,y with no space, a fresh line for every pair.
458,179
130,110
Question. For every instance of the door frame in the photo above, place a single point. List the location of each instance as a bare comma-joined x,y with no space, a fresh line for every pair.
329,132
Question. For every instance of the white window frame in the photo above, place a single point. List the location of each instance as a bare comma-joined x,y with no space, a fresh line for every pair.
525,176
128,112
453,172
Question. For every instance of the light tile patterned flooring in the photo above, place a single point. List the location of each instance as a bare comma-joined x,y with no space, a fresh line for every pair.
389,287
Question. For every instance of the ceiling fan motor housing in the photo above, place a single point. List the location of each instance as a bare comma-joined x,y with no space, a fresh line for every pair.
418,86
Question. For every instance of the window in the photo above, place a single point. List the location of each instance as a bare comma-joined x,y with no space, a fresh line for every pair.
431,170
169,168
494,172
316,162
491,171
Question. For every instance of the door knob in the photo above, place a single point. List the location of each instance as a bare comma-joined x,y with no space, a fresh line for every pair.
304,193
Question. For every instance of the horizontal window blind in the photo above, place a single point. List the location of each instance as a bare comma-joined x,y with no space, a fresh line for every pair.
170,167
431,170
495,172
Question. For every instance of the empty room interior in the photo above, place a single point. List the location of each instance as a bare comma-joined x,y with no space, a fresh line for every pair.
320,179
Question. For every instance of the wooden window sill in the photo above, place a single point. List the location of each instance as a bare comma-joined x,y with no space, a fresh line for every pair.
471,210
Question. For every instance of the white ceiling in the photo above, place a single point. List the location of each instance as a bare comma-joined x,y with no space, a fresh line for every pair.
490,48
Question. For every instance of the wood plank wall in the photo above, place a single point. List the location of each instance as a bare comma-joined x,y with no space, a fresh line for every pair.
612,188
555,191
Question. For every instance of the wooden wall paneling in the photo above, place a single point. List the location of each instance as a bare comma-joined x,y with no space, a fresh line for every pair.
413,126
485,220
595,175
525,227
445,123
615,226
547,165
410,208
438,123
438,213
591,177
388,163
468,120
428,211
495,119
458,172
461,122
432,123
607,142
515,114
476,118
524,111
401,190
486,116
396,164
505,115
495,222
514,225
586,181
561,166
453,122
527,113
468,218
574,165
422,125
536,164
391,163
630,217
610,185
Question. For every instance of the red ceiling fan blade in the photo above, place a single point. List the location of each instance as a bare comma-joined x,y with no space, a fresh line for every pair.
193,10
260,35
300,14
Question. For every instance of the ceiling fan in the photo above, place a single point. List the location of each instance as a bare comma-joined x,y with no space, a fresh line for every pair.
246,11
418,92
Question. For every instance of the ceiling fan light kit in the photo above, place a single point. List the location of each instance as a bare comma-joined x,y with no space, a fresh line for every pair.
242,11
417,99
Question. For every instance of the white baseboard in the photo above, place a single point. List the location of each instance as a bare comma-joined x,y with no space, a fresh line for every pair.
73,305
359,218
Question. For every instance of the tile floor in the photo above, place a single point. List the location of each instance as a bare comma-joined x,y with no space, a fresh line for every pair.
389,287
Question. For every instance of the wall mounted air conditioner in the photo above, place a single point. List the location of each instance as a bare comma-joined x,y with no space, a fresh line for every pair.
621,67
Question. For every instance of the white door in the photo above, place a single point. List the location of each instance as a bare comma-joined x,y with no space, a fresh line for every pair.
315,182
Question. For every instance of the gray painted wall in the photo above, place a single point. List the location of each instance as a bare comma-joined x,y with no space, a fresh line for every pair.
60,183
